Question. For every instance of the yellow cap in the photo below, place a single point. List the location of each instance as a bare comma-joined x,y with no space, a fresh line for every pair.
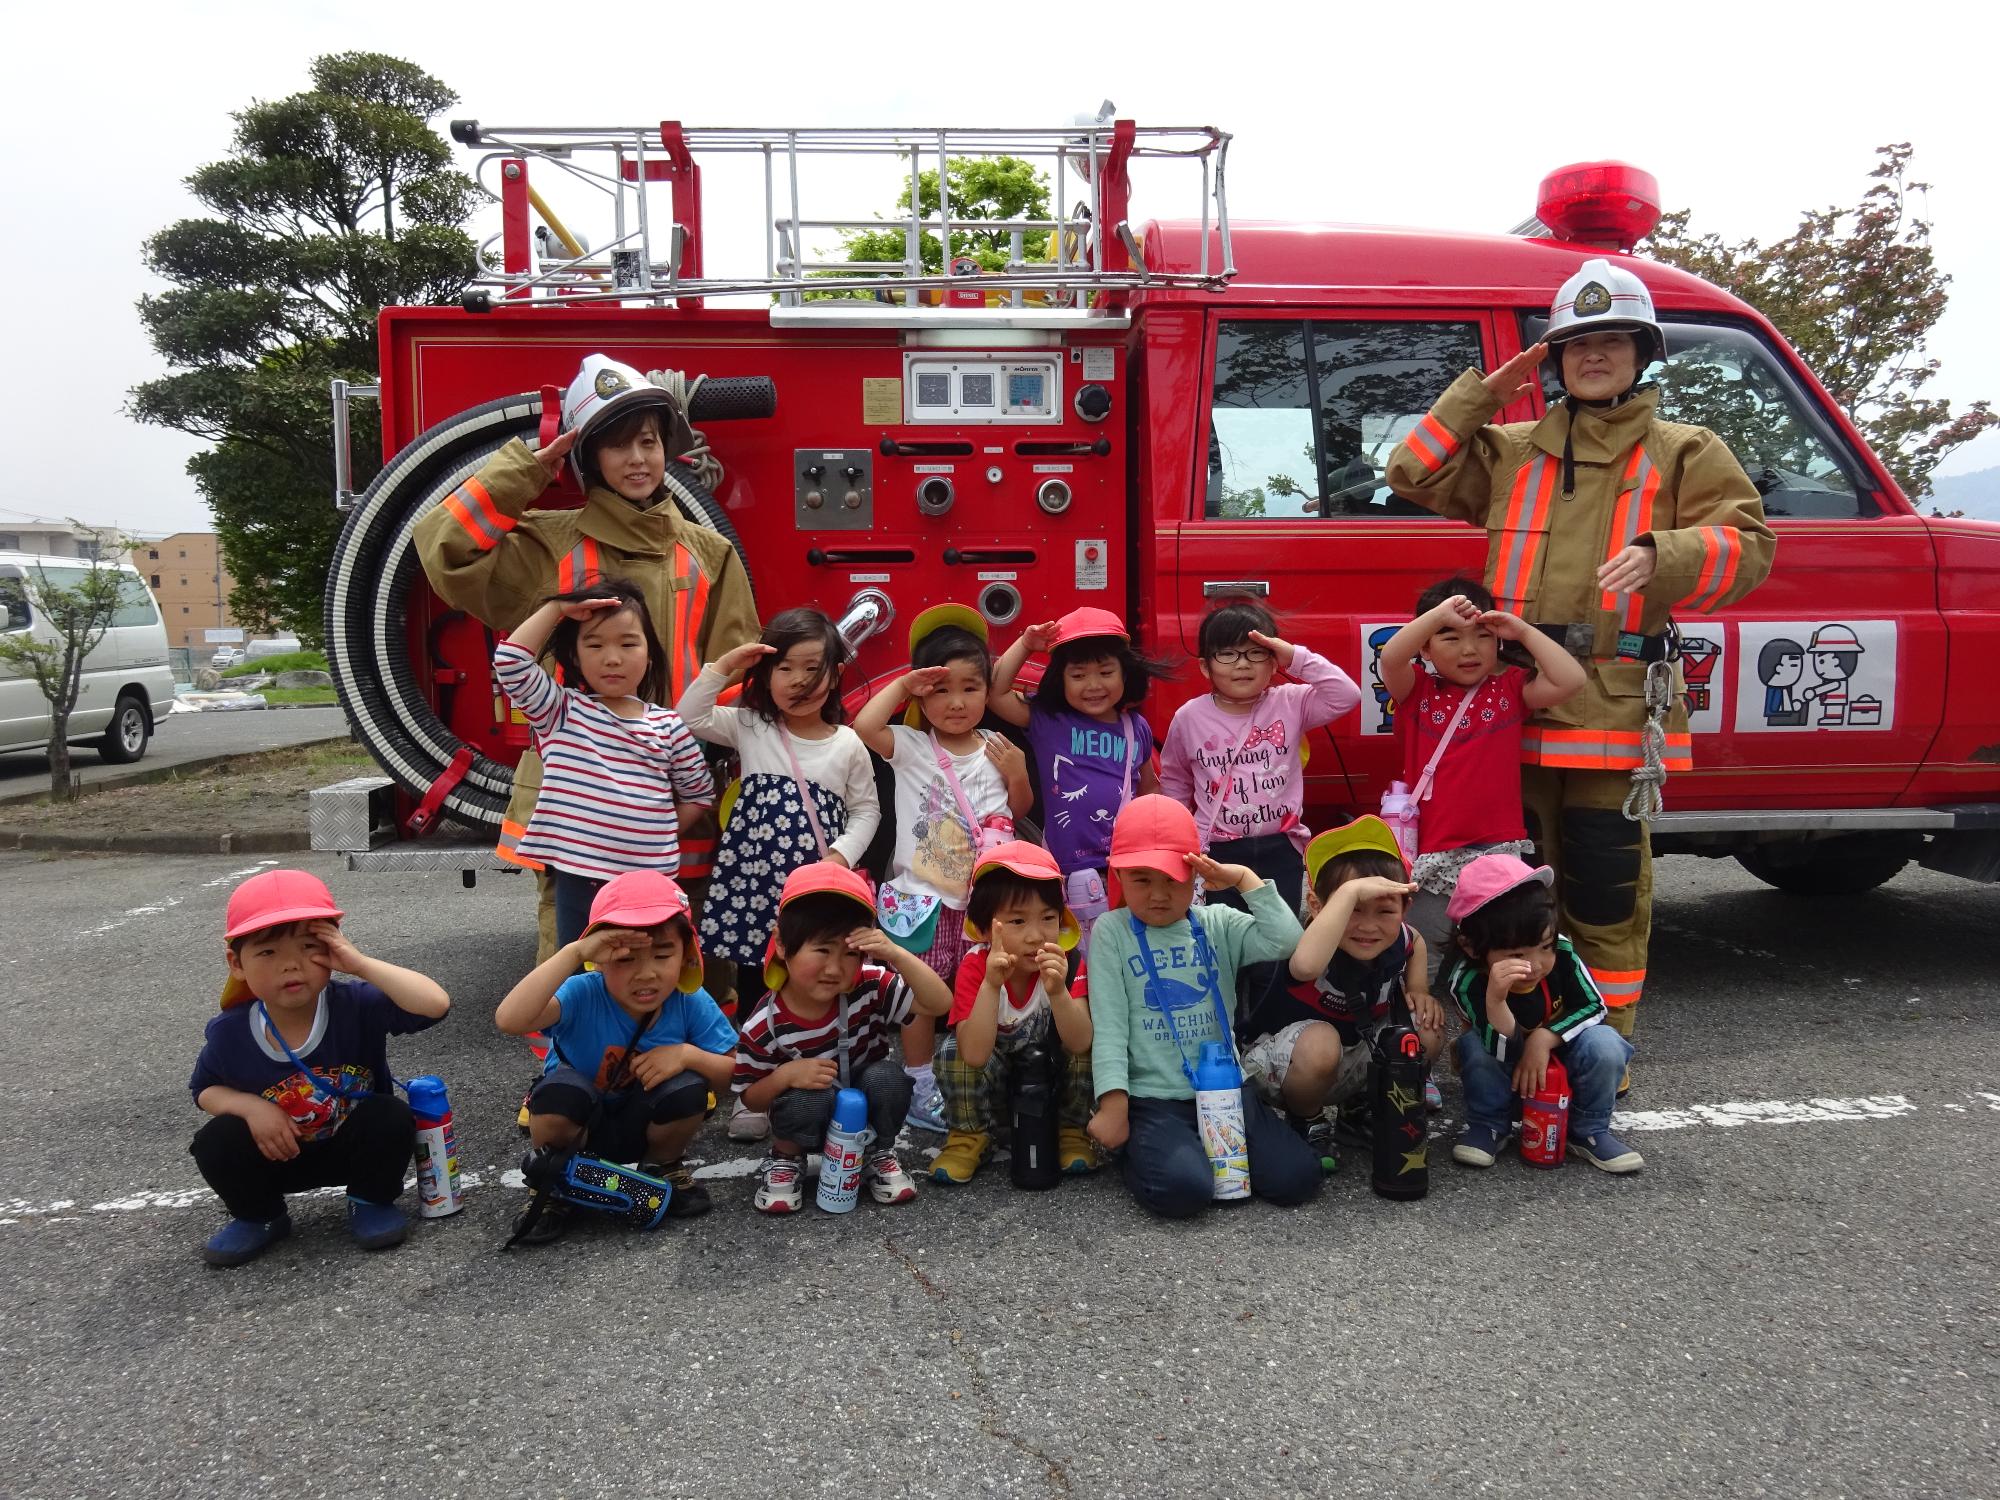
1366,832
936,618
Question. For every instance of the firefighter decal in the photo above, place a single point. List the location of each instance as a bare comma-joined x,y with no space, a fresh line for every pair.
1820,674
1703,678
1378,712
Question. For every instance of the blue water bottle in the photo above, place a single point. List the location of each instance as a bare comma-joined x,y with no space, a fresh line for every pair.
438,1191
846,1144
1218,1110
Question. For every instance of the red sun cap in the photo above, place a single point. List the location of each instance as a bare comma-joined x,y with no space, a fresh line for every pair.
1154,833
275,898
1030,862
641,899
820,878
1087,623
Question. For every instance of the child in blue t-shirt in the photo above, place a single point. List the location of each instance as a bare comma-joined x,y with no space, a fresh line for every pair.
636,1046
296,1070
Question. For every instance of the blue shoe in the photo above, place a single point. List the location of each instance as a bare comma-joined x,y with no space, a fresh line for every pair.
1478,1145
244,1239
1606,1152
376,1226
926,1111
1433,1100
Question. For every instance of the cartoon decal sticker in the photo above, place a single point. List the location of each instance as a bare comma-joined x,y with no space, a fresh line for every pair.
1378,713
1827,674
1702,679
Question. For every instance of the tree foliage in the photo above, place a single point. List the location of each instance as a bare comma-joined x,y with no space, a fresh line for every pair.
1856,291
332,203
992,189
76,616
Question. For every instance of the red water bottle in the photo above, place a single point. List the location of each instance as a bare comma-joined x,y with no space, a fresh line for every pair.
1545,1119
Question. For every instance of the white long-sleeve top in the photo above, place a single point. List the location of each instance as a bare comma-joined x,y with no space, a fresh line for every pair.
839,761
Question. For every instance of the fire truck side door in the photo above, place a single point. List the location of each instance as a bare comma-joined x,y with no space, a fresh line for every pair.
1288,501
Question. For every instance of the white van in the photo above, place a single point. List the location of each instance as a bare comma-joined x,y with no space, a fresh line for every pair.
127,683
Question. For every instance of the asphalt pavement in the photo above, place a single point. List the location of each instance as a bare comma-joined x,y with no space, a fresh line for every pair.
1799,1295
180,738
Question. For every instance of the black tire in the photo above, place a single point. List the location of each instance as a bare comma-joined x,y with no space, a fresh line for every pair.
375,564
1826,867
131,727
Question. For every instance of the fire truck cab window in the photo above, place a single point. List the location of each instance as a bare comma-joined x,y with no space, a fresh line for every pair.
1305,415
1724,378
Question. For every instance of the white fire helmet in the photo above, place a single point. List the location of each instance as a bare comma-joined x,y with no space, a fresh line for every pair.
1601,297
602,391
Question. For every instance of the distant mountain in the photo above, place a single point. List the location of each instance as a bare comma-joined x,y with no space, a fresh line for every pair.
1977,494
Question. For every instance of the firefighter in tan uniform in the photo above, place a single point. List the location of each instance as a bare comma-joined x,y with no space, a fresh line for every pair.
486,553
1601,519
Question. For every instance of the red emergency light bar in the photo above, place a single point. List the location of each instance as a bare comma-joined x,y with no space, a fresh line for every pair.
1610,203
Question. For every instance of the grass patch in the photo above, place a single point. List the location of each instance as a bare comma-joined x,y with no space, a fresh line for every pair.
298,695
290,661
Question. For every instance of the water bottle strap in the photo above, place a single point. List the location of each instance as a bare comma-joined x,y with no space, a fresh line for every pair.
1458,715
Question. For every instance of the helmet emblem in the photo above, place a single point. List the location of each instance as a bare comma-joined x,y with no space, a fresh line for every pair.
1592,301
609,382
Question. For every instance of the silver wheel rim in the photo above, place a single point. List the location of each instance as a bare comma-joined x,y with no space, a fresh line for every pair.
131,729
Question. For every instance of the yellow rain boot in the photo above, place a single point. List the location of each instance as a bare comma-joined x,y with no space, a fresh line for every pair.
963,1151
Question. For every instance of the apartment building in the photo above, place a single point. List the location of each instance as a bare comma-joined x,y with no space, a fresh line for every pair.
186,576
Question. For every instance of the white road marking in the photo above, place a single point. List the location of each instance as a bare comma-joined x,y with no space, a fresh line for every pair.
1871,1107
168,903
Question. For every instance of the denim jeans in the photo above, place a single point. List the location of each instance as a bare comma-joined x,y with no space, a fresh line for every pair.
1168,1170
800,1116
1593,1058
574,893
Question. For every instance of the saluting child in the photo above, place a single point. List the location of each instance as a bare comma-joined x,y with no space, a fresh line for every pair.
295,1070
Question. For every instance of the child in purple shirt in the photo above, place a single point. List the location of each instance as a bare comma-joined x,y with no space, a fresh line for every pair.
1091,747
1234,754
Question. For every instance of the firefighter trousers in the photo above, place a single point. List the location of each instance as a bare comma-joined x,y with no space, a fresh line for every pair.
1604,876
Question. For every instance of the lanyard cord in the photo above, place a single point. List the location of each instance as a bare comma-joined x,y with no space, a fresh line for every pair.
1211,981
318,1085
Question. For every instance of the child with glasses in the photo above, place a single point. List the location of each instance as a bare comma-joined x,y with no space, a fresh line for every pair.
1235,756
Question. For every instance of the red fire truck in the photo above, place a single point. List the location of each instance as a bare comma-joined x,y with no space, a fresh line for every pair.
1146,415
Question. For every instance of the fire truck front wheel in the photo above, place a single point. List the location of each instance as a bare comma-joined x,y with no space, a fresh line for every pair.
387,696
1844,866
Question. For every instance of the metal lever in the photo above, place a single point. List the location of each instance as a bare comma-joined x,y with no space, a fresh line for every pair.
1218,588
343,451
868,614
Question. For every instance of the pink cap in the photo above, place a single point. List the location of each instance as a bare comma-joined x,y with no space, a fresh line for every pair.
1154,833
1031,862
645,898
1490,877
275,898
1083,624
821,878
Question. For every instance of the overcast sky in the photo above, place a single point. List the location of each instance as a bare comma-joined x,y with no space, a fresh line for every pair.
1436,114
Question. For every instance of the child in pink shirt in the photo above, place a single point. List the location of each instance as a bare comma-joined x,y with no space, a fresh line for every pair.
1234,755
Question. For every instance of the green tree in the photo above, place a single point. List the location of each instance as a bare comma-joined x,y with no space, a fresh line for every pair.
990,188
1856,291
75,617
332,203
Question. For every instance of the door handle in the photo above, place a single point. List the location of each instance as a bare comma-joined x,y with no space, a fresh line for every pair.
1215,588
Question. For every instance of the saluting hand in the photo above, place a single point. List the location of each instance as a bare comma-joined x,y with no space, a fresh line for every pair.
551,457
1515,379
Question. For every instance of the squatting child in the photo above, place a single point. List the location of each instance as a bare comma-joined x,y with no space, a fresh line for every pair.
1163,982
1306,1043
1012,994
1527,997
296,1070
839,987
635,1043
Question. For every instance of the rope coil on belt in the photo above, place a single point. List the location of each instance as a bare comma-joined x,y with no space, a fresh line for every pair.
1649,779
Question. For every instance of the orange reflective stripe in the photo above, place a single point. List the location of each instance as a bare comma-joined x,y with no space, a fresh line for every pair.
511,834
477,515
1631,520
592,576
579,569
1619,986
1722,547
1522,532
690,606
1599,749
1431,442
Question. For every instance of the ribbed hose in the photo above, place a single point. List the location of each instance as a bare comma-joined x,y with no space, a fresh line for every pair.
375,566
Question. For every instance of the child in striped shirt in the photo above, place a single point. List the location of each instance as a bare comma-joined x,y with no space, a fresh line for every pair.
617,768
839,989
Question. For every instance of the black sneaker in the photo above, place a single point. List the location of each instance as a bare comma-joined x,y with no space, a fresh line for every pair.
1355,1123
546,1230
690,1199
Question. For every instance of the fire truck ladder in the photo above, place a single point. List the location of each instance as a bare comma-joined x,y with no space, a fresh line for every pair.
1094,260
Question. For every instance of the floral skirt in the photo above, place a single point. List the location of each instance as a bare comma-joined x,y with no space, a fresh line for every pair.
768,837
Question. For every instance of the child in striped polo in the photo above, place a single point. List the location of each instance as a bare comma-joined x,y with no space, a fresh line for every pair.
619,771
839,990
